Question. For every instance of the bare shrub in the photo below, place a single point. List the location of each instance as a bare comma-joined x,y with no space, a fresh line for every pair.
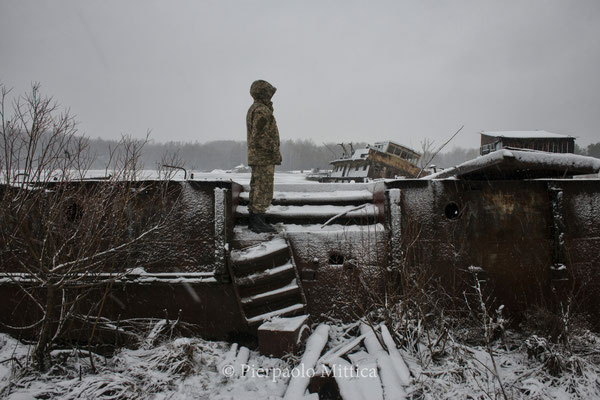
66,239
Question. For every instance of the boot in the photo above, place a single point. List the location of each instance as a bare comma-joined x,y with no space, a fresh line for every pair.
257,224
266,227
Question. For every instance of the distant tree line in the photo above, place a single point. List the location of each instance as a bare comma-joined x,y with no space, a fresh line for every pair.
296,154
592,150
224,154
228,154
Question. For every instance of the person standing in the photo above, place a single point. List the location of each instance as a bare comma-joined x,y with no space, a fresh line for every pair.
263,154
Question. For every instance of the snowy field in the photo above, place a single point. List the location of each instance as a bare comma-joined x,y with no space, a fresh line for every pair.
516,367
243,178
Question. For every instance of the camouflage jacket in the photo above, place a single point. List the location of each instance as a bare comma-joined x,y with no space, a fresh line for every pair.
263,135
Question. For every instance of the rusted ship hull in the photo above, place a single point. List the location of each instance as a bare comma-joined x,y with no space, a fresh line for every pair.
527,242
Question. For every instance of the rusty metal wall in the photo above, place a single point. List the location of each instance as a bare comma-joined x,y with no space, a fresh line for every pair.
188,243
579,245
211,306
514,236
340,270
189,246
196,253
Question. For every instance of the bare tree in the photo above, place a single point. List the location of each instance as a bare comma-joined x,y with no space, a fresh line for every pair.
65,237
428,152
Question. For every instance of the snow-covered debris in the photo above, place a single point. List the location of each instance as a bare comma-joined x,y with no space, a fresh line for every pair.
390,380
348,384
240,361
314,346
397,360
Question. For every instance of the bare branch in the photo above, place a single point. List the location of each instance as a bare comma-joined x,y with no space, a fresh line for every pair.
435,153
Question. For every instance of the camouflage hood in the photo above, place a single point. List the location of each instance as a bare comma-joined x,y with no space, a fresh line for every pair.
263,135
262,90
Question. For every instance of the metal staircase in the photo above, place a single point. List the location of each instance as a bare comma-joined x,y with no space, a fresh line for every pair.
266,281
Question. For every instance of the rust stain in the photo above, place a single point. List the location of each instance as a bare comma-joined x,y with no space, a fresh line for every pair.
501,202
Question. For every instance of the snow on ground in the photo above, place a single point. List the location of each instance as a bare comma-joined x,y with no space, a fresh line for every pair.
526,367
243,178
184,368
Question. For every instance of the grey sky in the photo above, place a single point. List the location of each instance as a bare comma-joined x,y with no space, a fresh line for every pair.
345,70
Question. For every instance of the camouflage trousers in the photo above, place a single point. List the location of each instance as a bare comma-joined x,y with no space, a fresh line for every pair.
261,188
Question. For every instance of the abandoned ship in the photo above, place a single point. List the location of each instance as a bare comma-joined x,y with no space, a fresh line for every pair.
381,160
503,217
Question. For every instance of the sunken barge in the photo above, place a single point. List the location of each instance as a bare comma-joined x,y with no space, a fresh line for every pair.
511,219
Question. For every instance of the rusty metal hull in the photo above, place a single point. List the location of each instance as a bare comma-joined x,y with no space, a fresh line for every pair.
527,242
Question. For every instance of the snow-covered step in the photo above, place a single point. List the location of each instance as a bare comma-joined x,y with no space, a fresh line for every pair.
260,250
272,295
242,232
260,256
253,310
266,275
322,212
340,196
295,308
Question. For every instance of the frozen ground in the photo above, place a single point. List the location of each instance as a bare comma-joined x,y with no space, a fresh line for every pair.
184,368
243,178
517,367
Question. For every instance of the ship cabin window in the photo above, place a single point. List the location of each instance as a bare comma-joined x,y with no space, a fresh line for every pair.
365,167
356,168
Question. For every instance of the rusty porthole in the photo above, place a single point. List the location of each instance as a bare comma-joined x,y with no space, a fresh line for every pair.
336,259
452,211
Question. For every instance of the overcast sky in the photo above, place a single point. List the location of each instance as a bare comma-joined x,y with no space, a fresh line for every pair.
345,70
